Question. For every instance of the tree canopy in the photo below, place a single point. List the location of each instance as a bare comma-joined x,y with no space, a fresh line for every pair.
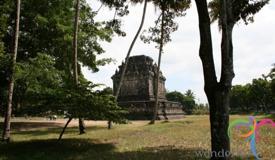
187,99
257,96
44,64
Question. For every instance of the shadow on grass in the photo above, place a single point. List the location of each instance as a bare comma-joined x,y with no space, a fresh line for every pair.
43,128
52,150
46,131
18,126
181,122
88,149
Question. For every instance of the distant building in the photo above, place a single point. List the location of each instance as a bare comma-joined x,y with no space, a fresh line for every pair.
137,93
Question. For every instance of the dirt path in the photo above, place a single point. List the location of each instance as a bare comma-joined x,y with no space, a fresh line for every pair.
21,124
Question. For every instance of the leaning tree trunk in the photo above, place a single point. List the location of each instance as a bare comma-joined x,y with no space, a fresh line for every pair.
64,128
75,42
128,55
129,51
218,93
155,114
75,69
7,123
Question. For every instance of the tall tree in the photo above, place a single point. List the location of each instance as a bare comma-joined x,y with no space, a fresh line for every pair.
228,12
130,50
159,62
214,91
75,42
189,101
117,91
160,34
46,28
7,123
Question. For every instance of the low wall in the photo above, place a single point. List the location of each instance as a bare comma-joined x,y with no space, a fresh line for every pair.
143,110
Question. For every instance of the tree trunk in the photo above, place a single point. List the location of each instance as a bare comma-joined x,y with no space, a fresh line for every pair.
219,120
218,93
75,42
63,131
75,62
130,49
7,123
128,55
81,125
155,114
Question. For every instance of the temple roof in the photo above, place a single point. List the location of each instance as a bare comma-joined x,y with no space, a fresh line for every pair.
139,64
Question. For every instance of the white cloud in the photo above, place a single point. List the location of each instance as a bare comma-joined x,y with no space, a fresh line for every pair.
253,49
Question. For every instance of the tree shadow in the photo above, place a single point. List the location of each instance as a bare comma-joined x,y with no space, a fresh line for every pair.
43,128
52,150
22,126
56,130
184,122
87,149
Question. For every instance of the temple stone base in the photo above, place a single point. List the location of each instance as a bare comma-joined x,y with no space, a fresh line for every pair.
143,110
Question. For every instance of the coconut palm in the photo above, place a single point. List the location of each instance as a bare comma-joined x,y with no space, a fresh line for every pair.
160,34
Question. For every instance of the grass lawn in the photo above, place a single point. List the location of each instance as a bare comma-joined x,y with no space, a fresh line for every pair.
187,138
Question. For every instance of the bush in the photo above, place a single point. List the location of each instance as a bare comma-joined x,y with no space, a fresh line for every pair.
201,109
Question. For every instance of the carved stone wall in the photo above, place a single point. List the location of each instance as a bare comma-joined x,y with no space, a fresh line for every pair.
137,92
139,81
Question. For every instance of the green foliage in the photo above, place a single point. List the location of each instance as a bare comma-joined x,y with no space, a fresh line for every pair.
261,94
273,87
272,72
240,98
187,100
86,103
44,69
47,27
121,9
176,6
107,90
171,9
201,109
40,89
256,96
35,79
4,64
242,10
39,72
271,75
5,7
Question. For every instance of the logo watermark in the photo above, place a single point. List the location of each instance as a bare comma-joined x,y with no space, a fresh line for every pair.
208,154
252,136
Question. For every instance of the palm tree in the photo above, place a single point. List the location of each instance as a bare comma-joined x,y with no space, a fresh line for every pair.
158,70
160,34
7,123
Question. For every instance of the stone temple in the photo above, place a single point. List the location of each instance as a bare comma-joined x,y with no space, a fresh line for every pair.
137,93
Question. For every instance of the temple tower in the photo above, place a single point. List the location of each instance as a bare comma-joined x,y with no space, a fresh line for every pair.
137,92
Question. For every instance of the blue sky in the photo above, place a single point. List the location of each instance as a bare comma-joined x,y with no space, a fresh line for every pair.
254,48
